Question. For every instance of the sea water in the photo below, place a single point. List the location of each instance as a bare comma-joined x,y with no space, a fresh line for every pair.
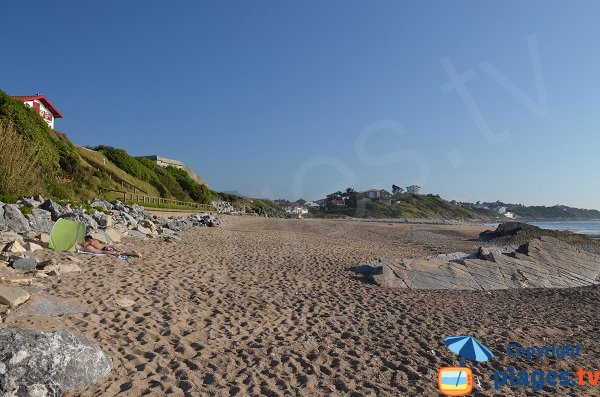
591,228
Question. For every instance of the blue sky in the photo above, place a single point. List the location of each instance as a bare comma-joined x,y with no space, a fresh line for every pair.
287,99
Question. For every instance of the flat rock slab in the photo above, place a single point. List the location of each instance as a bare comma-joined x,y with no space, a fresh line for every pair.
46,305
541,263
12,296
48,364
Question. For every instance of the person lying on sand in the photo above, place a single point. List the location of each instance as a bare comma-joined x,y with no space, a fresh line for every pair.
95,246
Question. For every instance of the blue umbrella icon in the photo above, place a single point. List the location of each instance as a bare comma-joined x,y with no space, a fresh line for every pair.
468,348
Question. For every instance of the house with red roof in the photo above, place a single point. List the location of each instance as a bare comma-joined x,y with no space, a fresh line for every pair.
43,106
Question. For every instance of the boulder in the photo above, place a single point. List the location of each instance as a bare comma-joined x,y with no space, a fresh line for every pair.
100,235
40,220
12,296
32,202
103,220
25,264
136,234
32,247
114,234
2,222
148,224
55,209
48,364
14,220
175,224
144,230
14,247
102,204
44,238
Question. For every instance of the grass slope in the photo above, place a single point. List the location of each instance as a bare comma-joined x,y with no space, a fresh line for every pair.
409,206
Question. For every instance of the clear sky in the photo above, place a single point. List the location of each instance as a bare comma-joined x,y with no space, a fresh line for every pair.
473,100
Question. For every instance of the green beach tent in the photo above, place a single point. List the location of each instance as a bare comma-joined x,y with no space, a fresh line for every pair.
65,234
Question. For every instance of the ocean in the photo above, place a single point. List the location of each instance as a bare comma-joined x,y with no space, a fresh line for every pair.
591,228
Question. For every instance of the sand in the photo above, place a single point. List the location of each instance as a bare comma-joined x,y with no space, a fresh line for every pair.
272,307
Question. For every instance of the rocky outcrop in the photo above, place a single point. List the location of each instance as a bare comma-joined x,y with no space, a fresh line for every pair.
14,220
48,364
540,263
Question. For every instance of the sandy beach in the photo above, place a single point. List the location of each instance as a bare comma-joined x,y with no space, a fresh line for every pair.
272,307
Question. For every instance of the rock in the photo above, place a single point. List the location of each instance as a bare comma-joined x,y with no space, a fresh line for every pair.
40,220
175,225
148,225
102,204
47,305
14,247
65,268
100,236
136,234
14,220
49,363
11,236
144,230
103,220
25,264
2,221
55,209
12,296
114,234
43,238
384,277
30,202
90,222
32,247
541,263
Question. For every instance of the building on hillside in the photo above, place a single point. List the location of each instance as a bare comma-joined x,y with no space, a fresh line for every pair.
380,195
338,202
165,162
509,215
311,204
43,106
413,189
376,194
296,210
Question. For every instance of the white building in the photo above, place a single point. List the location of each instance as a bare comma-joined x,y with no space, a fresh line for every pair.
509,215
502,210
43,106
296,210
413,189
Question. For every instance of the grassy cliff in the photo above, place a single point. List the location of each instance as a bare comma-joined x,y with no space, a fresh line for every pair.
35,159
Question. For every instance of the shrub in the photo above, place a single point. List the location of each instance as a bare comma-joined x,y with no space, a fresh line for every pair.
20,172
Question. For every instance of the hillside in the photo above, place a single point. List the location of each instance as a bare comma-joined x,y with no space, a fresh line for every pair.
407,206
538,212
34,159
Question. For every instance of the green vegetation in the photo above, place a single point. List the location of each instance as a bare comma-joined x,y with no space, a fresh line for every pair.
169,182
171,206
99,161
556,212
403,206
38,160
26,210
197,192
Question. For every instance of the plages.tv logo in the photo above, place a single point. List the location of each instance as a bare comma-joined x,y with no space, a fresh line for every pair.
458,381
